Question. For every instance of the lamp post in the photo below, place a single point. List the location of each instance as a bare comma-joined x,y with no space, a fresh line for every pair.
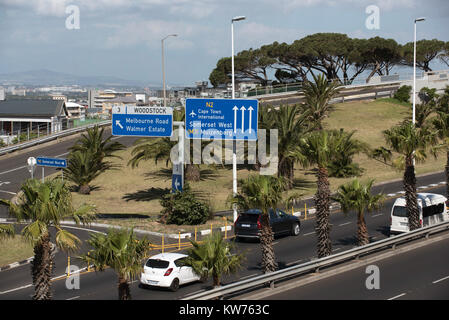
414,67
163,66
234,155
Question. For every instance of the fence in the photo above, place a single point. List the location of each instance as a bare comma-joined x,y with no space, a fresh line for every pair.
38,135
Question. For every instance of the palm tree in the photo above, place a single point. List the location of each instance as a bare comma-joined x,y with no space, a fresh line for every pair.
318,95
319,149
87,156
441,123
342,165
121,251
213,257
357,196
291,122
83,168
161,149
411,143
44,205
93,141
262,192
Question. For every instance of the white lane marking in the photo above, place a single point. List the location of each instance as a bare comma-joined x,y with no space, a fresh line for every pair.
391,194
13,193
343,224
442,279
12,170
20,288
276,242
336,249
376,215
306,234
73,298
398,296
433,185
62,154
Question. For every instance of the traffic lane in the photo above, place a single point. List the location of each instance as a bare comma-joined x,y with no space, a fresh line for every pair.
293,250
406,275
11,178
393,187
20,276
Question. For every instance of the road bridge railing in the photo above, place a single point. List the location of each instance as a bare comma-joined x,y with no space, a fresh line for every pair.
261,281
53,136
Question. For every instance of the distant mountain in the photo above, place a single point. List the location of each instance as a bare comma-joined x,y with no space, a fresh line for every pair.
45,77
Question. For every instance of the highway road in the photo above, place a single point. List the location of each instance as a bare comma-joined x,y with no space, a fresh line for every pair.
289,251
16,283
419,274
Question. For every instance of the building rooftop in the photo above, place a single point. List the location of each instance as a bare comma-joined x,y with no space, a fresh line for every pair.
32,108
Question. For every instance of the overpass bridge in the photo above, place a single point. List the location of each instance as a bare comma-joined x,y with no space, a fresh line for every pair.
377,87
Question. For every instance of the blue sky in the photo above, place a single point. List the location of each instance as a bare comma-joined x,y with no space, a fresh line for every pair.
122,38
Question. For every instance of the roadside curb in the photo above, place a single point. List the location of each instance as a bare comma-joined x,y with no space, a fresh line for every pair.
157,234
16,264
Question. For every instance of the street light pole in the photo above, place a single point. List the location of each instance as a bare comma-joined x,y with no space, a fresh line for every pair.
163,66
234,154
414,68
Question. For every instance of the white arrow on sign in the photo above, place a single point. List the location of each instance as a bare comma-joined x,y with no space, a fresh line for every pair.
243,118
117,123
177,184
235,118
250,109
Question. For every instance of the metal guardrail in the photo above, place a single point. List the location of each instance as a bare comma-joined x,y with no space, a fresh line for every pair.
53,136
315,265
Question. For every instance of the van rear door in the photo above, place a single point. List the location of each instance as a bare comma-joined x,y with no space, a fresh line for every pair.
399,219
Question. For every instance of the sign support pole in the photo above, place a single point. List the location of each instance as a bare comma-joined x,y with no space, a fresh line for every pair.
181,150
234,143
43,174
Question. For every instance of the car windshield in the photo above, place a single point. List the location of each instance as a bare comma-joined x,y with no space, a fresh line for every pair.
399,211
155,263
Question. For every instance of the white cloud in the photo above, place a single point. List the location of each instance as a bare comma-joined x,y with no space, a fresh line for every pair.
192,8
257,34
150,33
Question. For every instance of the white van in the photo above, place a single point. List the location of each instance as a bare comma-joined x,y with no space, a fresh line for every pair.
433,208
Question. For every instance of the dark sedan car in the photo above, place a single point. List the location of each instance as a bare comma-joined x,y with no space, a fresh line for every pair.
248,224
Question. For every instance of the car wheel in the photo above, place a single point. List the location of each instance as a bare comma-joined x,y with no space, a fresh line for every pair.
143,286
174,285
295,229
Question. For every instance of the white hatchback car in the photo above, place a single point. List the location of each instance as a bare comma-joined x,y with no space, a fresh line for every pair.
167,270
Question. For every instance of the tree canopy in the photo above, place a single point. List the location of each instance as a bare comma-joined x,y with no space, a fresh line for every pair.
337,56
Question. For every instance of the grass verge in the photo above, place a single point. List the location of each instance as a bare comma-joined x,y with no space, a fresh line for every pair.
138,190
14,249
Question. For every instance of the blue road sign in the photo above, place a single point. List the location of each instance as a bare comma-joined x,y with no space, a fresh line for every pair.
51,162
227,119
176,183
142,121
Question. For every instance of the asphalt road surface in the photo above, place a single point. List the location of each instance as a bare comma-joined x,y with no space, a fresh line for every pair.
421,274
14,283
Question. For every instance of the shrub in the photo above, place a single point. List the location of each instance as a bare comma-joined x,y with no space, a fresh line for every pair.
403,93
183,208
